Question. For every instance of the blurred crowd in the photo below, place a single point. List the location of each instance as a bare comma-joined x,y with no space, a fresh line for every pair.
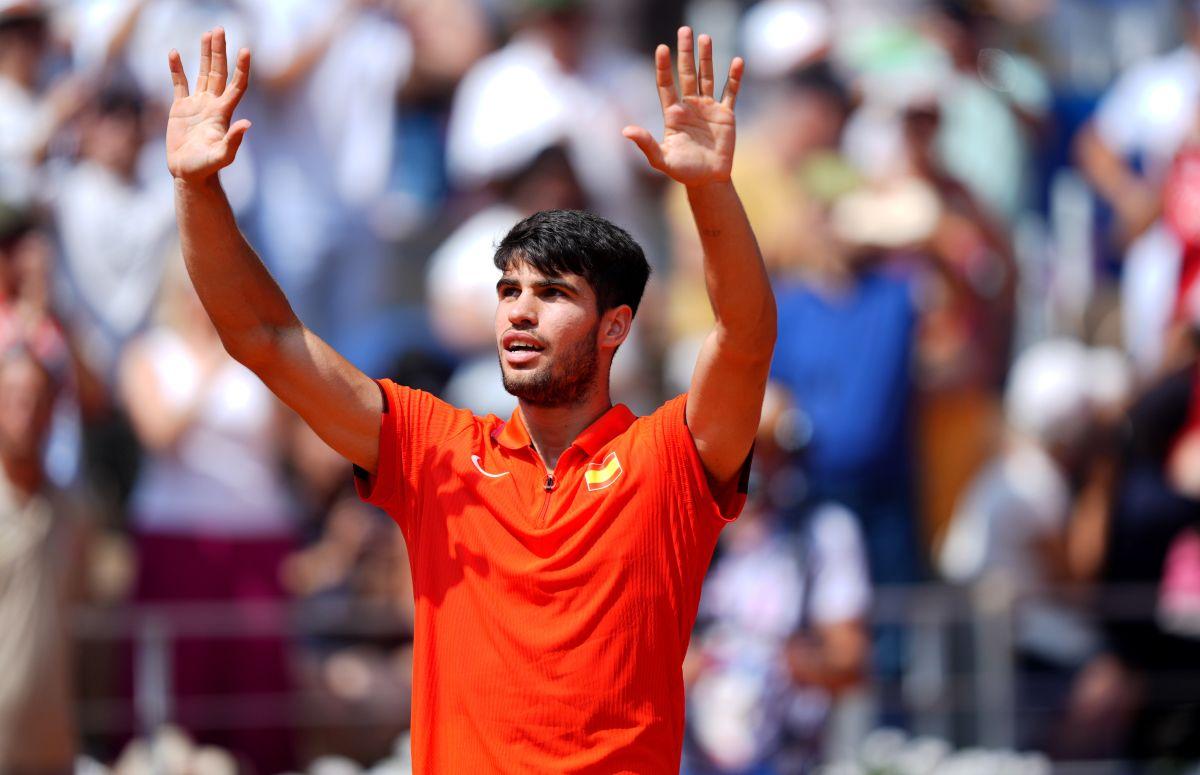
982,219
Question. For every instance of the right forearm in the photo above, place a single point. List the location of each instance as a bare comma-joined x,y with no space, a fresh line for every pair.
244,302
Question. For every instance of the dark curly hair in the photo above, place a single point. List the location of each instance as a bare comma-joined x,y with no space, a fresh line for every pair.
559,242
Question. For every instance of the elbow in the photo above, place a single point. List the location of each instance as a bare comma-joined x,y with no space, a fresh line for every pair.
258,350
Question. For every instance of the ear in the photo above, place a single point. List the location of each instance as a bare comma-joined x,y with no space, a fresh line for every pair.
614,326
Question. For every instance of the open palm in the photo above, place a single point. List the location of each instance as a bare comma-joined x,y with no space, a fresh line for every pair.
699,130
200,138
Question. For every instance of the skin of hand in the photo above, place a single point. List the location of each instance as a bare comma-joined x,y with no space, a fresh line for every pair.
200,137
726,391
698,130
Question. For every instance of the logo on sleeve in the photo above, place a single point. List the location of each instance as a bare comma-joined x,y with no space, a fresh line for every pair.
602,474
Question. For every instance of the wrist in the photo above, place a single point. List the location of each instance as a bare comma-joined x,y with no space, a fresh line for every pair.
710,186
207,185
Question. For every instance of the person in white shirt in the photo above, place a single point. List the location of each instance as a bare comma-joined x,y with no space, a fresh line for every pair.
1125,152
328,75
31,113
115,231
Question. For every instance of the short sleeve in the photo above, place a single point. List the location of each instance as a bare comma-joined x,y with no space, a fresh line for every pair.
412,423
688,475
1120,117
841,585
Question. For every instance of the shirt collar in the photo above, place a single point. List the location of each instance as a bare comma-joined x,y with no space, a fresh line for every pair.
513,434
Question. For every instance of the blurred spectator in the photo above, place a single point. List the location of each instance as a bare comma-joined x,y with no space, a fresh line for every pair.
846,334
115,230
572,86
212,518
992,103
781,628
328,76
41,573
450,36
1011,524
28,318
1127,152
967,299
786,36
25,314
353,572
1135,696
31,112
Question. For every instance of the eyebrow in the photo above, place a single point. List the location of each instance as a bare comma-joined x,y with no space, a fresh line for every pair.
551,282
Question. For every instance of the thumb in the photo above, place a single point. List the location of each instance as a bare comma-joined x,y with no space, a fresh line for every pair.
233,139
645,141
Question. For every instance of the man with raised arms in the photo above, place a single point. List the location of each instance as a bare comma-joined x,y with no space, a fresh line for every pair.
557,556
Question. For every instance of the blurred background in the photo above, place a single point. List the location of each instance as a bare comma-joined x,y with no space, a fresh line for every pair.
973,539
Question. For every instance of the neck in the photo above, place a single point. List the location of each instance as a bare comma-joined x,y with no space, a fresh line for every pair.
553,428
25,476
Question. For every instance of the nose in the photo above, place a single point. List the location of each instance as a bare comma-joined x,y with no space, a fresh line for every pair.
522,311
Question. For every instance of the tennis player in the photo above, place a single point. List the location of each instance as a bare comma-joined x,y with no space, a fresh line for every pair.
557,556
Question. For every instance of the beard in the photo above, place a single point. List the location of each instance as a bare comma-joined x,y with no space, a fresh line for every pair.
564,380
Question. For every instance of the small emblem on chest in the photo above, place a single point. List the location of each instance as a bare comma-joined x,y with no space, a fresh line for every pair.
479,468
602,474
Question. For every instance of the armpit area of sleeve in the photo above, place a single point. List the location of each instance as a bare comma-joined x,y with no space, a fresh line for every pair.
381,488
723,502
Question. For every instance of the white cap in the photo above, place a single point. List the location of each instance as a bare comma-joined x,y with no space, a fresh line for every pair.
891,214
502,120
1055,385
782,35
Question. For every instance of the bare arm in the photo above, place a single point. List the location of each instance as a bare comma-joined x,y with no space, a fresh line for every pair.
730,379
1136,203
836,658
253,318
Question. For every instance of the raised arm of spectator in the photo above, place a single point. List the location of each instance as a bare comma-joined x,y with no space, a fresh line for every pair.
697,150
1136,202
253,318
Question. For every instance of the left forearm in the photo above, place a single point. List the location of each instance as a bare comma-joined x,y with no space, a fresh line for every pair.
738,287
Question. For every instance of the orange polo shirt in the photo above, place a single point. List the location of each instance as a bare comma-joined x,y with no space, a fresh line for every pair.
553,611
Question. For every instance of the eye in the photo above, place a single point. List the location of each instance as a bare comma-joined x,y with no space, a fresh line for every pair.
508,292
551,293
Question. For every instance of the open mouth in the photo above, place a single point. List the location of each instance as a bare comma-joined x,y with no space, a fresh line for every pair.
521,348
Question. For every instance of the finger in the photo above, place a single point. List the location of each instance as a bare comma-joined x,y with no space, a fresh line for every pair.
220,67
645,141
707,82
205,62
687,63
241,79
733,83
178,77
233,140
662,76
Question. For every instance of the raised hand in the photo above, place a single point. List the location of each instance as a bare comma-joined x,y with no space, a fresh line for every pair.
200,139
699,130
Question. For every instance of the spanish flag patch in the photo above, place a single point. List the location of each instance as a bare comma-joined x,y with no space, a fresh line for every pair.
602,474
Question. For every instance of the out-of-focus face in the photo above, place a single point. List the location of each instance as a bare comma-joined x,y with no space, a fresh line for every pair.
809,122
548,336
114,141
26,402
23,45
